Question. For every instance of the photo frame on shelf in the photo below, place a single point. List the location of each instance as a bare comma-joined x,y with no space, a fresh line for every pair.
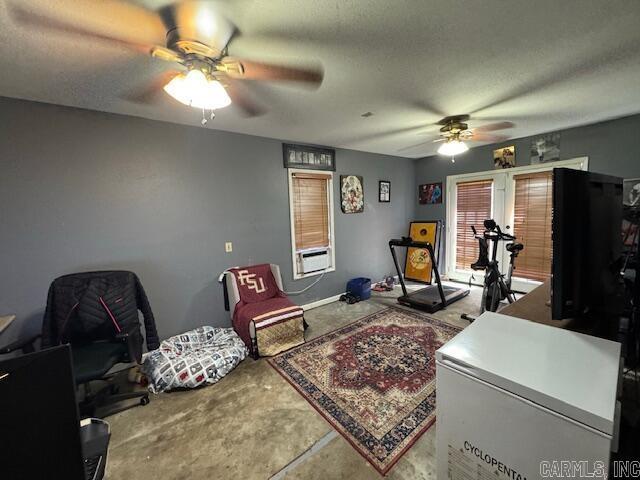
417,265
384,191
307,156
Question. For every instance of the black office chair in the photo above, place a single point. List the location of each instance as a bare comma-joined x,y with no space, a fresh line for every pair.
92,362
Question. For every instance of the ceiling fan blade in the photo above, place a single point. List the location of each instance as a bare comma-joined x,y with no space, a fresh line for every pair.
486,137
250,70
150,93
241,98
492,127
200,21
429,130
166,54
136,28
428,107
453,118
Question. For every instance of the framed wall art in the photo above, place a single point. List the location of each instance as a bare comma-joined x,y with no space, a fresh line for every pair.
631,191
430,193
384,191
545,148
307,156
351,194
504,157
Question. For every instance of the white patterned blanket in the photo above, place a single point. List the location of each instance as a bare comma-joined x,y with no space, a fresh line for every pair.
196,357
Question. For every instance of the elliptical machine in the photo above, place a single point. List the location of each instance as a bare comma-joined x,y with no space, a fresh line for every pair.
497,287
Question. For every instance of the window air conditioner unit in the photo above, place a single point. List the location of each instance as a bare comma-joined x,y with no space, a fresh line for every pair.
314,260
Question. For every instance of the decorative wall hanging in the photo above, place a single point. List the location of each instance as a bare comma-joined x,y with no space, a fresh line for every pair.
545,148
384,191
351,194
430,193
504,157
306,156
417,265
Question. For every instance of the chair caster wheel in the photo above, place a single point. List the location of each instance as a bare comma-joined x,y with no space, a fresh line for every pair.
144,401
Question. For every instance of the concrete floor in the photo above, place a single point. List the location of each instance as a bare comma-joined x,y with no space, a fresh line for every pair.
254,425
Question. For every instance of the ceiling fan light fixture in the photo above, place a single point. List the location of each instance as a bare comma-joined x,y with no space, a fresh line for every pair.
194,89
452,147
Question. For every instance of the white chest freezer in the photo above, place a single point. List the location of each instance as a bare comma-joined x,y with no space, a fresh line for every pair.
518,400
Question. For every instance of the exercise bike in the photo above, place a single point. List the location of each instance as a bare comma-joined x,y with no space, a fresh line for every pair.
497,286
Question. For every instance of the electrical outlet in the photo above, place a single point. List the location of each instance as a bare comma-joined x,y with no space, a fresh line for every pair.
228,247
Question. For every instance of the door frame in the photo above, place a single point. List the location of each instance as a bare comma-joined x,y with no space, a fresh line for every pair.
503,194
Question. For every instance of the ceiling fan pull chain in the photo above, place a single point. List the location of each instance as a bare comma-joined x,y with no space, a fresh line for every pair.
204,120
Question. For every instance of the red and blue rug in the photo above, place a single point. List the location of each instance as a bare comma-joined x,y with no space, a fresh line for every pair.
373,380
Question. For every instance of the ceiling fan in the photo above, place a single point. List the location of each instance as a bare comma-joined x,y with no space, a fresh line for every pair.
197,41
454,132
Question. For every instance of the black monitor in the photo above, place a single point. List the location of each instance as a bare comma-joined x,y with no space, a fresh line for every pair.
39,421
587,244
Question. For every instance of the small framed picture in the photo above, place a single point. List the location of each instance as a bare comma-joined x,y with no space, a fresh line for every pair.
631,191
504,157
430,193
545,148
384,191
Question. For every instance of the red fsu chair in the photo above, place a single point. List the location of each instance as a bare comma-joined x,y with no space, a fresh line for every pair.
261,313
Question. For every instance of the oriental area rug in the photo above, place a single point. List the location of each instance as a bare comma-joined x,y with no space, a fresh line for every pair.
373,380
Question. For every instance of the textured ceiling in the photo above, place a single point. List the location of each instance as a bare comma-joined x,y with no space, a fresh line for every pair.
543,65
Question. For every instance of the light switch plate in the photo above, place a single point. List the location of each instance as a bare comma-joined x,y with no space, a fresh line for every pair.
228,247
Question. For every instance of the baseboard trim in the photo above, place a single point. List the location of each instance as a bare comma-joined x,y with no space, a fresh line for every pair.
321,302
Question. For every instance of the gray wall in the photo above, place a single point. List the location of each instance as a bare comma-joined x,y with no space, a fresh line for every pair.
83,190
612,147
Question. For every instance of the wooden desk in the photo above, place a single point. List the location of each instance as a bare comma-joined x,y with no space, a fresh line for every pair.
535,306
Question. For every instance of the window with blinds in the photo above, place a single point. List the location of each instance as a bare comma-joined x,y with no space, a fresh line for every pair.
532,224
310,207
473,207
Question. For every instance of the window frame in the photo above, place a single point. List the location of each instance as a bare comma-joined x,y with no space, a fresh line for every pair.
330,212
502,206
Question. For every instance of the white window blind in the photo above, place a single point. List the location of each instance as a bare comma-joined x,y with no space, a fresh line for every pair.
473,207
532,224
310,210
